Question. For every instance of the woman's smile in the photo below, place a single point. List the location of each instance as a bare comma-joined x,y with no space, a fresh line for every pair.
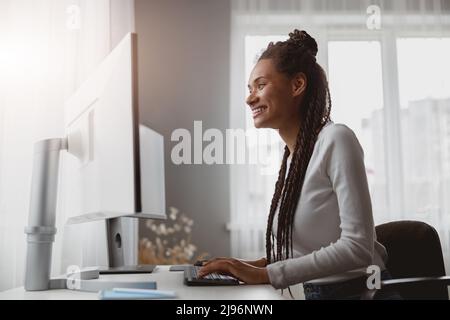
257,111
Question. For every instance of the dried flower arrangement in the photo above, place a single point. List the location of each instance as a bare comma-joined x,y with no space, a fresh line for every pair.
171,241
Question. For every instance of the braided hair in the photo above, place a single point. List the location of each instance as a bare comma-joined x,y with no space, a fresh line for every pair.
290,57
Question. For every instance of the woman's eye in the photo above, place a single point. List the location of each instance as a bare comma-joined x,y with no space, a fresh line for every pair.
261,86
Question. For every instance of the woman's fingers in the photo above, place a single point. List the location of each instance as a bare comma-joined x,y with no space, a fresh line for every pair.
220,265
209,267
215,259
235,268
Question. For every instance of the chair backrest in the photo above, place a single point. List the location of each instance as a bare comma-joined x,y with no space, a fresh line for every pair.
414,250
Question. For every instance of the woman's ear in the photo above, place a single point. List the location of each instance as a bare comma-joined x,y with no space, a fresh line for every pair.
299,83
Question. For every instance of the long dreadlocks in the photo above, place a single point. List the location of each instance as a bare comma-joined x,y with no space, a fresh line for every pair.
295,55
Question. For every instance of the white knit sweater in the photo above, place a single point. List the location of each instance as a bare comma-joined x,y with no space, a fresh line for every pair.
334,236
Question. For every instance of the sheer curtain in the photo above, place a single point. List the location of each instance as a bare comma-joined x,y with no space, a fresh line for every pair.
387,66
47,49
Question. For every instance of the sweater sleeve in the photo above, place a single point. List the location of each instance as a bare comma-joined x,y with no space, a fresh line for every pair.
344,164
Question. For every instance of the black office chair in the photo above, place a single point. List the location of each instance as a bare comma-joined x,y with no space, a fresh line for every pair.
415,261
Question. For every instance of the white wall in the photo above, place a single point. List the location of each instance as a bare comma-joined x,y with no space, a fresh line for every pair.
184,53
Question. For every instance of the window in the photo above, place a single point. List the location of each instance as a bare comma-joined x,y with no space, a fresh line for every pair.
357,100
423,69
389,85
422,131
424,91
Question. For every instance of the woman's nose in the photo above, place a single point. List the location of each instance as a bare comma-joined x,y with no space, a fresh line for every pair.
251,99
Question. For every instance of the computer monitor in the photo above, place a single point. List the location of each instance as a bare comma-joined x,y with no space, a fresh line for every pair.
114,168
115,165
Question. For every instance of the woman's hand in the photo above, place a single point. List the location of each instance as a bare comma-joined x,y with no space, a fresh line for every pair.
239,269
257,263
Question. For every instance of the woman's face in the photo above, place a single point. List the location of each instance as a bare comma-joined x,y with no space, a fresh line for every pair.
273,98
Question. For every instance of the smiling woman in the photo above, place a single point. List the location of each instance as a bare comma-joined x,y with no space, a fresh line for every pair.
320,229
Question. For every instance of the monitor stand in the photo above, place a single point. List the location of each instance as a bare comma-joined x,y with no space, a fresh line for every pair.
41,232
116,260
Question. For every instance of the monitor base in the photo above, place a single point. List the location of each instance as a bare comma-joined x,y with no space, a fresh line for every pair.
140,268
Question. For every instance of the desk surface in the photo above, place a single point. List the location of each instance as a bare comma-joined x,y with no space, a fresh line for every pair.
166,280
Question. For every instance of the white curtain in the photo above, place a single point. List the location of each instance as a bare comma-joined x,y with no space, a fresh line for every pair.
387,63
47,49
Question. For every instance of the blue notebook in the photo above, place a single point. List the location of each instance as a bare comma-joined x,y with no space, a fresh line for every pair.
133,294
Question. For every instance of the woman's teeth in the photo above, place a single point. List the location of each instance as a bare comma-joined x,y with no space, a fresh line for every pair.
257,111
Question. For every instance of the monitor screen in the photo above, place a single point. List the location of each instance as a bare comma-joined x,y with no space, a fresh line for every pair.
115,164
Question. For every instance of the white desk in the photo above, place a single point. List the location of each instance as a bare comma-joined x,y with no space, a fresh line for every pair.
166,280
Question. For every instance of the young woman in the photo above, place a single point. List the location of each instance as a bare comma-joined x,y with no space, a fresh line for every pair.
320,229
